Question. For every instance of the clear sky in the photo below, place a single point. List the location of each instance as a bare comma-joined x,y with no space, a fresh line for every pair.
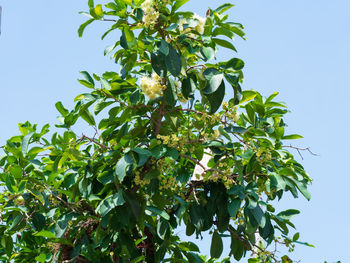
298,48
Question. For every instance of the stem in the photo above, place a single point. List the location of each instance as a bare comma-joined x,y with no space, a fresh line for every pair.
301,149
104,147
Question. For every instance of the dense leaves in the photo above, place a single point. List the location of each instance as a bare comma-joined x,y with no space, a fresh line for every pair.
121,194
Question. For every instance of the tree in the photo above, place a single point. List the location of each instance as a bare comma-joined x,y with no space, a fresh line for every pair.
120,195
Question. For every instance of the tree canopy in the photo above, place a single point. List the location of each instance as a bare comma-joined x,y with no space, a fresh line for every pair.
121,194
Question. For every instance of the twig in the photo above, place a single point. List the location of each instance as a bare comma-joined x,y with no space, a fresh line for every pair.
195,196
196,162
300,149
195,66
248,245
108,20
104,147
160,31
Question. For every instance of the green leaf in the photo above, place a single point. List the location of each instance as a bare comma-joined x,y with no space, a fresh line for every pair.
302,186
38,221
170,93
123,40
98,11
233,207
134,206
143,155
235,129
91,3
270,98
127,39
188,246
208,53
155,210
288,214
224,43
159,151
61,109
286,259
128,2
224,133
158,64
7,242
248,95
25,142
296,237
11,184
173,153
215,99
162,228
87,116
259,216
216,247
109,203
105,84
178,4
214,79
224,32
292,137
88,78
41,257
122,165
83,26
173,62
234,63
106,177
221,9
188,87
164,47
45,233
100,105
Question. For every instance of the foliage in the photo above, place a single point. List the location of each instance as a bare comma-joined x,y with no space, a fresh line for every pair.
120,195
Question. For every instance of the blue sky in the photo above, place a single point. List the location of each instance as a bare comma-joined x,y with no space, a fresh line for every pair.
298,48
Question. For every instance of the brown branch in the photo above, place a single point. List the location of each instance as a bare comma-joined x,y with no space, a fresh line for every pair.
300,149
196,162
160,31
83,137
195,66
63,201
248,245
108,20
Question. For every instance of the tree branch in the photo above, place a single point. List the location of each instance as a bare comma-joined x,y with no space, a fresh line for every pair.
300,149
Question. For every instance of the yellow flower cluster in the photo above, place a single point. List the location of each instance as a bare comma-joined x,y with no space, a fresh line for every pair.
167,183
263,156
152,86
230,113
225,174
150,14
172,141
139,181
199,27
208,118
